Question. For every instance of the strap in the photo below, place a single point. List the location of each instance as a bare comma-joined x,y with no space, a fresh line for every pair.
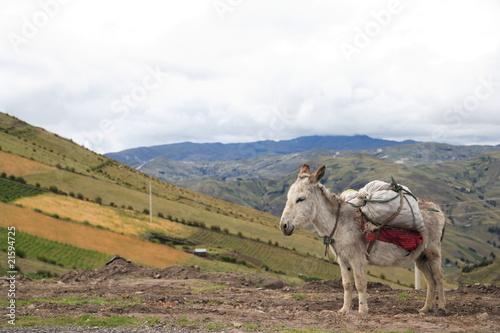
329,240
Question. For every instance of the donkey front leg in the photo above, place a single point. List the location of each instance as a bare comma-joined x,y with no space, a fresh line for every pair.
361,286
347,283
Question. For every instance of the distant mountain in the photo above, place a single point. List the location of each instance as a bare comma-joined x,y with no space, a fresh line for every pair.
275,166
196,152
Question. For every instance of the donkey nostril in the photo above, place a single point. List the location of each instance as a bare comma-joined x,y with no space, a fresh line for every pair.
284,226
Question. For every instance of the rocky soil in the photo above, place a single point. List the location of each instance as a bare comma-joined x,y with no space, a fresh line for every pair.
187,299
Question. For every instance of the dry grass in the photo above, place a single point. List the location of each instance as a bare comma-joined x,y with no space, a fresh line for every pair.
88,237
16,165
118,220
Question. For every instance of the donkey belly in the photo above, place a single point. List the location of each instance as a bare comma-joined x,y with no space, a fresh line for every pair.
386,254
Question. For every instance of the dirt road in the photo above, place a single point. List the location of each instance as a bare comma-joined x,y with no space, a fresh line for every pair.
188,299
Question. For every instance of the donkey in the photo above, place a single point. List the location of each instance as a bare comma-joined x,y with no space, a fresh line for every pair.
310,201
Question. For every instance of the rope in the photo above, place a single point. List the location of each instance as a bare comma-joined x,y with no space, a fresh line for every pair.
329,240
372,200
392,217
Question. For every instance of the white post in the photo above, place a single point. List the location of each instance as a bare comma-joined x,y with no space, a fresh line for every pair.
417,278
150,204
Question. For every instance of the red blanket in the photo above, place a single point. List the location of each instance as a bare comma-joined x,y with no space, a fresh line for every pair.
407,239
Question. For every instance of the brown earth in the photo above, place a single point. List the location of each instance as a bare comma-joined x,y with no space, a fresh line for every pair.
240,302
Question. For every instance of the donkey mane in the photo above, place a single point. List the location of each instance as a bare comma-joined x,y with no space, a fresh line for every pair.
329,195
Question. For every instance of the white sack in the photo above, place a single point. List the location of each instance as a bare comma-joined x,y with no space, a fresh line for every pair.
348,195
379,212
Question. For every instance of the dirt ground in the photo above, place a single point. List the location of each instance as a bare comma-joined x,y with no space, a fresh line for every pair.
239,302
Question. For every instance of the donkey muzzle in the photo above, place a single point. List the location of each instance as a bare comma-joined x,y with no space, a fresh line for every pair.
286,228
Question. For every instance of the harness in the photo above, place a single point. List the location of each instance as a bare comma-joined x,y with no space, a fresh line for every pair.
401,192
329,240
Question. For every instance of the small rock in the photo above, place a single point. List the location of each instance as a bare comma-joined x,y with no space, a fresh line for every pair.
272,283
483,316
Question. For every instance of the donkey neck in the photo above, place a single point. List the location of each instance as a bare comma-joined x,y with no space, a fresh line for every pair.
328,212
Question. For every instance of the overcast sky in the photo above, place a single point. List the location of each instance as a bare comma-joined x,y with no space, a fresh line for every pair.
119,74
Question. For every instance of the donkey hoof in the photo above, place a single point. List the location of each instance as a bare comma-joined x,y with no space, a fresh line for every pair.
424,310
344,310
441,312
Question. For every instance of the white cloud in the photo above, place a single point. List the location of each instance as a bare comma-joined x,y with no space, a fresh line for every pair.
267,70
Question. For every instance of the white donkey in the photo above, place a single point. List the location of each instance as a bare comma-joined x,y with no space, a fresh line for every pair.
309,201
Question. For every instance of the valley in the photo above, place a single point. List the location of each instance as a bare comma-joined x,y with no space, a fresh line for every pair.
67,203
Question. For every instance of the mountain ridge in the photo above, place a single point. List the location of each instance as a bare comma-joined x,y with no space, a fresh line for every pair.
198,152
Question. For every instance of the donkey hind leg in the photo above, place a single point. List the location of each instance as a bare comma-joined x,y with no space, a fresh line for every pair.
438,274
431,268
347,283
424,267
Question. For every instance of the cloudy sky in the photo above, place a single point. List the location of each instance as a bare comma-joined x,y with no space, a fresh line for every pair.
119,74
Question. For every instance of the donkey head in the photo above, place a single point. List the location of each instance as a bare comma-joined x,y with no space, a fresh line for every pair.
302,200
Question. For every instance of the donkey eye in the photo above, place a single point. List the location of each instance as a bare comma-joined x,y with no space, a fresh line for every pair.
299,200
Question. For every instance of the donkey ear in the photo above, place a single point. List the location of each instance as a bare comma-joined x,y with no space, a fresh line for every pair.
305,168
316,177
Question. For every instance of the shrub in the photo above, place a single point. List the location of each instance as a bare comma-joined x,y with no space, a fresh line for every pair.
41,274
145,211
79,196
160,215
215,228
20,253
54,189
98,200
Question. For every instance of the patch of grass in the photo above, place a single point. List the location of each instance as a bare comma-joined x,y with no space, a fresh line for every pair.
86,320
304,330
207,287
11,190
299,296
402,296
251,327
215,326
78,300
